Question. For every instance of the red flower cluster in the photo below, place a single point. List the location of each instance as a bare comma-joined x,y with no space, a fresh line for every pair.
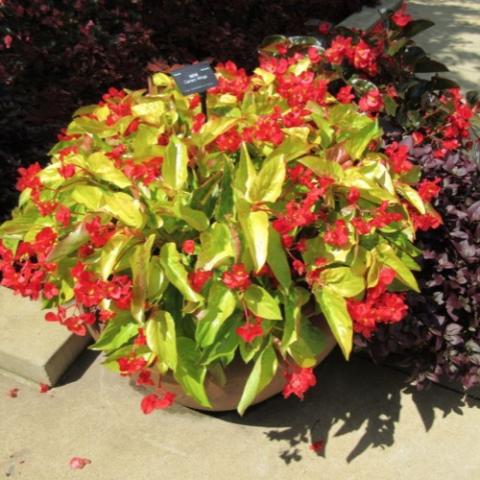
74,323
371,102
379,306
229,141
232,80
99,234
362,56
237,277
426,221
154,402
337,235
429,189
146,172
299,380
250,331
400,17
398,157
199,278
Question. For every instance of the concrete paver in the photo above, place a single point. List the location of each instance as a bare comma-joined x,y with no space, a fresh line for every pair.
30,347
373,429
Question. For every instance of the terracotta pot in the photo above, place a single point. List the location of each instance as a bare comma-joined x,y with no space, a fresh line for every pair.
224,398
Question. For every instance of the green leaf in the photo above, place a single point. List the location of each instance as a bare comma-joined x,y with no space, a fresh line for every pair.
176,273
190,373
255,226
412,196
325,129
174,167
292,148
161,338
125,208
226,343
195,218
214,128
268,184
116,333
149,107
359,141
390,258
334,307
71,243
427,65
245,174
157,281
277,259
221,304
103,169
261,303
343,281
293,301
310,344
415,27
88,195
215,246
225,204
139,263
323,167
261,375
111,252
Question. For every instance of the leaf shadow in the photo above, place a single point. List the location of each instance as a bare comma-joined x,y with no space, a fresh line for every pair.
349,397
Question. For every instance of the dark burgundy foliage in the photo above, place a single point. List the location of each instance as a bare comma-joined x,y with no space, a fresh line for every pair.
441,335
66,53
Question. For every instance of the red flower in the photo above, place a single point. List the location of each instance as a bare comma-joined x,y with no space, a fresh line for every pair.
144,378
199,278
361,226
7,41
133,126
429,189
28,177
229,141
198,121
340,49
153,402
67,171
345,94
383,218
237,277
131,365
63,215
398,156
188,247
298,266
371,102
99,234
426,221
401,18
77,463
324,28
418,138
353,195
298,382
44,388
50,290
365,58
338,235
250,331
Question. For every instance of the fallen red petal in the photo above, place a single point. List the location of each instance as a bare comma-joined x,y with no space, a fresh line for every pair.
44,388
13,392
317,446
77,463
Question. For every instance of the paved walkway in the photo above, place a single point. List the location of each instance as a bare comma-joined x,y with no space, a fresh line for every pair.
455,39
372,427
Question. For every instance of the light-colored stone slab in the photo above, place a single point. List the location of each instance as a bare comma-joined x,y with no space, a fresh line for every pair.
30,347
372,429
368,17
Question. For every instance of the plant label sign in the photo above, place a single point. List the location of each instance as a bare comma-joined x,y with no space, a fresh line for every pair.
194,78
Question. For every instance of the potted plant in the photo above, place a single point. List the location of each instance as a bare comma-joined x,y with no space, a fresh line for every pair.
192,248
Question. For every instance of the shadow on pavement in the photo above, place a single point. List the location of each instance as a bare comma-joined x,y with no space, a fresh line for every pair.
357,396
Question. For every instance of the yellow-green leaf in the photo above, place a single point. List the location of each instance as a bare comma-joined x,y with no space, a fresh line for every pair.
161,338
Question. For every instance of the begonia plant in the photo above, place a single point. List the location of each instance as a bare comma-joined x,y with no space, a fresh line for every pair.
382,70
183,239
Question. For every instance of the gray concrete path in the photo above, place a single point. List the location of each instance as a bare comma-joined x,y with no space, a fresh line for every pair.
455,38
372,428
